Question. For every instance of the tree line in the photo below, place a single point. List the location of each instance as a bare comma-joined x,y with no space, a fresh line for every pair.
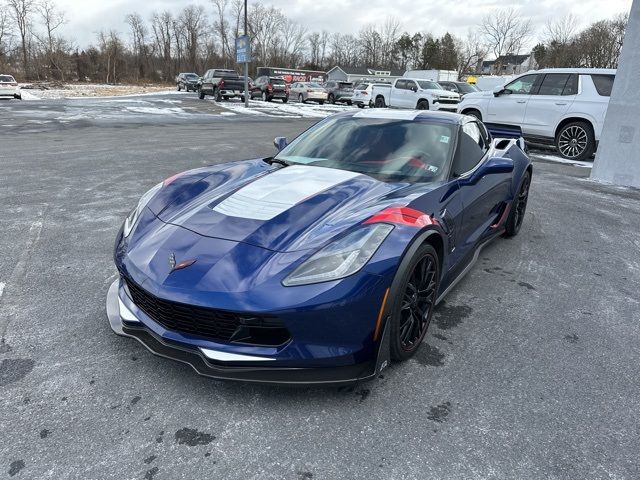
196,37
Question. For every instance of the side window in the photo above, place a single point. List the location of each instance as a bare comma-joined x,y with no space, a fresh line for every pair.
472,146
553,84
401,84
522,85
411,85
604,84
571,88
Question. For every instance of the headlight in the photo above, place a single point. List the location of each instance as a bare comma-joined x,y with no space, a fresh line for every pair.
341,258
132,218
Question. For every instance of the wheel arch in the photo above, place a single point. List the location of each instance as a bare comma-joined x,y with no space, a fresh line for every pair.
574,118
466,110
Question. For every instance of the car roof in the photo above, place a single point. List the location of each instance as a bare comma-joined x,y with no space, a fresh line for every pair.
448,118
585,71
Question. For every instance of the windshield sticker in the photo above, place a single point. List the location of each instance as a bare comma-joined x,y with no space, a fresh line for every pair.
444,139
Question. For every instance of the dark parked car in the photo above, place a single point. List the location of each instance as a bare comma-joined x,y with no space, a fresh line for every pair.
188,82
269,88
221,84
459,87
339,91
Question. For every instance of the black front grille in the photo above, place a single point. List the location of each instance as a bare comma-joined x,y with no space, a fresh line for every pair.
451,101
210,323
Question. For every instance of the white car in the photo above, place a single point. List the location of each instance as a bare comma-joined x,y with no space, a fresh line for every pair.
308,91
564,107
9,87
363,93
415,94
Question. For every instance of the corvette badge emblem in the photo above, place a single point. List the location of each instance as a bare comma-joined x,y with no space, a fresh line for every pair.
173,265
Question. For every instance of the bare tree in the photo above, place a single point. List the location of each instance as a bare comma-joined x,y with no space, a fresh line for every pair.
471,51
560,30
505,33
54,46
221,27
191,25
6,33
21,11
139,41
161,25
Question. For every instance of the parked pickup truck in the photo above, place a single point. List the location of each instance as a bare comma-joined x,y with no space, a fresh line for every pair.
220,84
415,93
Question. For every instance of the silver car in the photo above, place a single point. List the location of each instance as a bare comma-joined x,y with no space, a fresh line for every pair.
308,91
9,87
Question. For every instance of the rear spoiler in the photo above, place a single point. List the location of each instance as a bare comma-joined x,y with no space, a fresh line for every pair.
506,132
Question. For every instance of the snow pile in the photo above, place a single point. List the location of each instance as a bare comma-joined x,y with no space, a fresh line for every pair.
279,109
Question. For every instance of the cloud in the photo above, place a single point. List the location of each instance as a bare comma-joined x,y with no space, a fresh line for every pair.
87,17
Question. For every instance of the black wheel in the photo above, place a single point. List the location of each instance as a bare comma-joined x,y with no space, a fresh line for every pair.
17,96
474,113
423,105
217,95
201,94
519,208
179,88
300,98
265,98
414,303
285,99
332,99
321,102
361,105
380,103
227,97
349,102
575,141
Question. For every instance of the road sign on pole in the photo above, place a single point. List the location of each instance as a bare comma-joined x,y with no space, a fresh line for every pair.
243,49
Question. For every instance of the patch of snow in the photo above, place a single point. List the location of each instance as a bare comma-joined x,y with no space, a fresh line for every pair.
155,111
556,159
289,110
27,95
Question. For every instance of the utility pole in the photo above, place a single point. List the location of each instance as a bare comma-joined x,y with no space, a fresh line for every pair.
246,64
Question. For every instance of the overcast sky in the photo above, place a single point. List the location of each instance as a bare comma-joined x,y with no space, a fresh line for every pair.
86,17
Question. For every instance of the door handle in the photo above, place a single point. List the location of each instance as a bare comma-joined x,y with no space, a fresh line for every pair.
561,103
521,101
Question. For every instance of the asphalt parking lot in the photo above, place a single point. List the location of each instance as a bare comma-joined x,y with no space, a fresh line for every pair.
530,368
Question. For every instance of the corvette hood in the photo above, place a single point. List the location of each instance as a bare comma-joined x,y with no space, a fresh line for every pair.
288,209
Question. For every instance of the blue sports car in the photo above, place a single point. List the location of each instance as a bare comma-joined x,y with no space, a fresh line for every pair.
322,264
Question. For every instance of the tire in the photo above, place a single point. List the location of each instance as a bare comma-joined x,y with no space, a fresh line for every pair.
227,98
423,105
361,105
201,95
575,141
179,88
300,98
332,99
421,274
321,102
349,102
17,96
265,98
380,103
285,99
474,113
217,95
518,208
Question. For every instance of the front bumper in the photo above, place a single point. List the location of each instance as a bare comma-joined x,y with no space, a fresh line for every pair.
448,107
230,366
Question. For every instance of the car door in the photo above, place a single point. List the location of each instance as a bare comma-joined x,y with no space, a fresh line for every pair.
482,197
509,106
397,95
410,97
550,103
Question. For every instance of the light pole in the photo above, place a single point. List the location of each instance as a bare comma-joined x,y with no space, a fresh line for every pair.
246,64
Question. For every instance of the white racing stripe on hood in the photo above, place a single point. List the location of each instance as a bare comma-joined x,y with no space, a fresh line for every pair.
277,192
388,113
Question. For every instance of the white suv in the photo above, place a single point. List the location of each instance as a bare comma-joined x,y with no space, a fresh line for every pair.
564,107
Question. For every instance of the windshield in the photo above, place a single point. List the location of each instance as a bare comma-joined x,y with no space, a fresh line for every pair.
314,85
277,81
6,79
467,88
387,149
362,86
426,85
345,85
192,76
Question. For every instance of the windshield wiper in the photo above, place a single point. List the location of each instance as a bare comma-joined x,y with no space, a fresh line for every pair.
272,160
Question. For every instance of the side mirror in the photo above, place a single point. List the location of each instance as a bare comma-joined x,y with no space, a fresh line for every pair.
501,91
280,143
414,88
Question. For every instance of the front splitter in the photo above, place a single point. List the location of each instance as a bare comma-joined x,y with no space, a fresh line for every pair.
270,375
